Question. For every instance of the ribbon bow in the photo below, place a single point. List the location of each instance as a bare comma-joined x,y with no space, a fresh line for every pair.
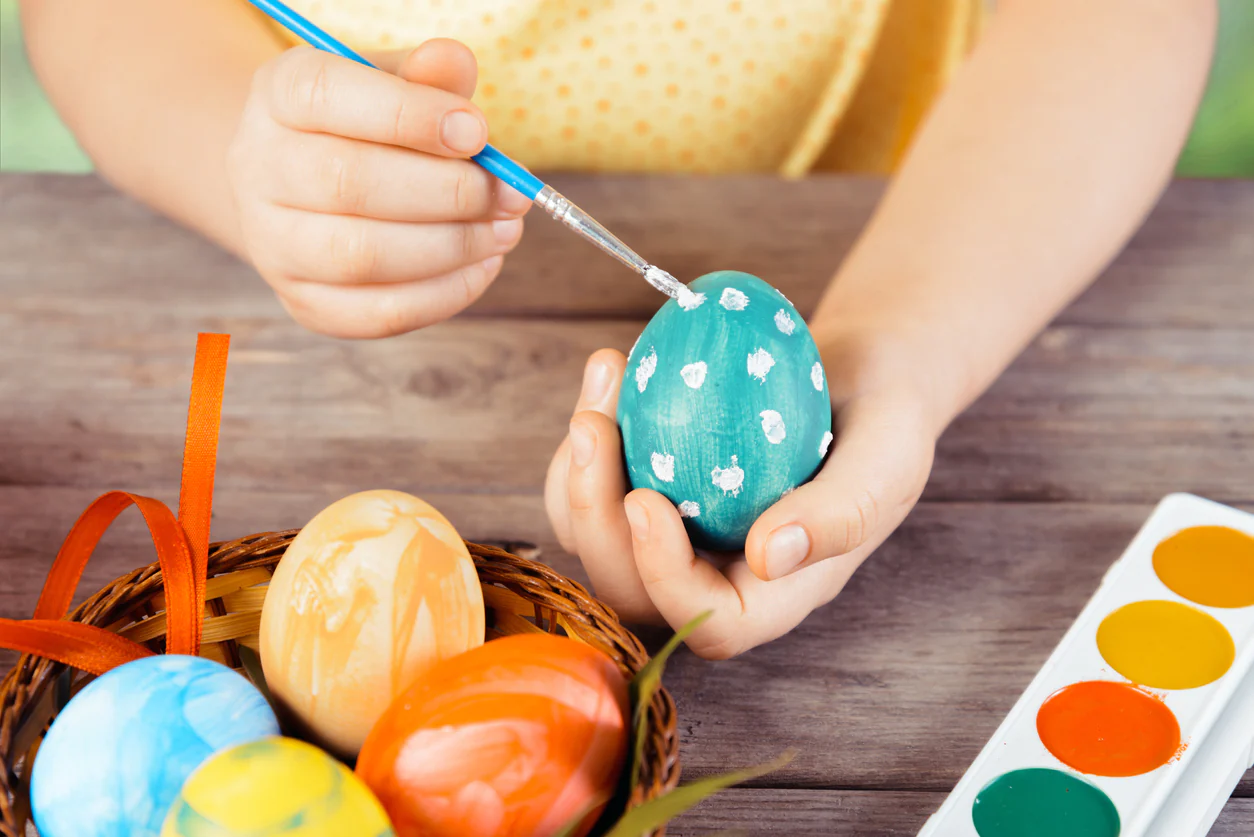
182,545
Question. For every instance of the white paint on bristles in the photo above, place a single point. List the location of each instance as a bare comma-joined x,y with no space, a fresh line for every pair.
816,375
664,466
648,365
694,374
772,426
729,479
784,322
733,300
760,363
688,300
825,444
689,508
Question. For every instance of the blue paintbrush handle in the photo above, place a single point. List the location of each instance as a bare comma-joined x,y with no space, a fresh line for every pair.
494,161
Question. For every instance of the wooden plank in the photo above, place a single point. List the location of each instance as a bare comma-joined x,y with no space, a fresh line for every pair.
1088,413
841,813
73,244
897,684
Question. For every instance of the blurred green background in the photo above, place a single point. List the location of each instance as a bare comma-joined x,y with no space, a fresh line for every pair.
32,138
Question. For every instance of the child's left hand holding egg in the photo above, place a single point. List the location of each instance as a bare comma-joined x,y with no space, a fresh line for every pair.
799,553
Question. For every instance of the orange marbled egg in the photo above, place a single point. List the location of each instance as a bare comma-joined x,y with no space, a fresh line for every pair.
518,738
377,589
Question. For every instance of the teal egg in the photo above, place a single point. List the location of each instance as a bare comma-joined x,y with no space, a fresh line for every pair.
724,406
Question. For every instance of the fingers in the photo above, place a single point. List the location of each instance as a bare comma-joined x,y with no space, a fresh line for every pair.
442,63
347,250
309,90
327,174
373,311
873,477
595,482
746,611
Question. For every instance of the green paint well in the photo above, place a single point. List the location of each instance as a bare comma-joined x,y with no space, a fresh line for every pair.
1038,802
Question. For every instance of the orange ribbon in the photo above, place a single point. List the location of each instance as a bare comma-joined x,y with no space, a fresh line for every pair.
182,546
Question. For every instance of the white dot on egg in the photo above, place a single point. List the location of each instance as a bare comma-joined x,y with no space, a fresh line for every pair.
760,363
648,365
694,374
729,479
772,426
825,444
816,375
663,466
689,300
689,508
784,322
733,300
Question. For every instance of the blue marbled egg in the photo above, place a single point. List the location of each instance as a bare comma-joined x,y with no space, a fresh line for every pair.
117,755
724,405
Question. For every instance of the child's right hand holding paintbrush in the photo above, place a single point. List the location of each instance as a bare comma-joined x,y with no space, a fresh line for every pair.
356,201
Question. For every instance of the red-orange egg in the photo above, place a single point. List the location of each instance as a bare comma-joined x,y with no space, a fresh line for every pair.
516,738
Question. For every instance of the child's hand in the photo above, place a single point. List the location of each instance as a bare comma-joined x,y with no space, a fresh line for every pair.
356,200
637,553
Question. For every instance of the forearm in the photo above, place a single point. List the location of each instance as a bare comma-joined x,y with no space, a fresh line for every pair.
1041,159
153,90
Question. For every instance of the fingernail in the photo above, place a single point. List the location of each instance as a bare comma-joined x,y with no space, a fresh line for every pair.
639,520
462,131
513,201
507,232
786,548
583,444
596,383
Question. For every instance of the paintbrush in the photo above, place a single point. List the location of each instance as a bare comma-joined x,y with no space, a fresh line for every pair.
496,163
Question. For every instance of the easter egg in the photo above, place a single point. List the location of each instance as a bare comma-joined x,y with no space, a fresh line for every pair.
373,592
118,753
724,406
517,738
275,787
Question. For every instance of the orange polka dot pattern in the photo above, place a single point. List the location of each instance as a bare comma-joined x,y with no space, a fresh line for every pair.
713,86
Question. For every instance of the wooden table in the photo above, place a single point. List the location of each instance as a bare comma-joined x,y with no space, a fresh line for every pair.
1143,387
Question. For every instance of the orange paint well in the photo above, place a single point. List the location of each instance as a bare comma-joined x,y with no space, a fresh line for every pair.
1104,728
1209,565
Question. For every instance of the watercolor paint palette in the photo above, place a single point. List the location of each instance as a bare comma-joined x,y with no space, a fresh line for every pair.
1141,722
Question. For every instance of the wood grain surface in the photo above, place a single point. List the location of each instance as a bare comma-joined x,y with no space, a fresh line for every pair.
1143,387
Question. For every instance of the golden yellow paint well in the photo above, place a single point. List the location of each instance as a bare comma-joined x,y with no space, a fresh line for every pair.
1165,645
1210,565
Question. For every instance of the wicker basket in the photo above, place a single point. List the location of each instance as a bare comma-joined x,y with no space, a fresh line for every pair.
520,595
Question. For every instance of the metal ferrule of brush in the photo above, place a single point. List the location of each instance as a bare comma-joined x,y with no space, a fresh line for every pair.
562,209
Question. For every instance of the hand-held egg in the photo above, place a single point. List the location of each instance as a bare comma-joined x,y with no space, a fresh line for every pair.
118,753
373,592
724,405
275,787
517,738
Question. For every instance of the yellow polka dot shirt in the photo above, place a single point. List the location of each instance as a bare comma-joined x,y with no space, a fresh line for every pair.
712,86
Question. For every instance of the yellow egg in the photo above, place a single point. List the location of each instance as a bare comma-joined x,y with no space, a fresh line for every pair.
275,787
377,588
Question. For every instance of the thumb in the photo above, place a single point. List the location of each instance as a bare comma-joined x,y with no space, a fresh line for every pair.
868,485
442,63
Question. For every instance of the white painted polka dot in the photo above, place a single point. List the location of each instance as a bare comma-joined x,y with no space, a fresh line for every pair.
694,374
729,479
823,445
733,300
664,466
689,508
772,426
784,322
816,375
688,300
648,365
760,363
